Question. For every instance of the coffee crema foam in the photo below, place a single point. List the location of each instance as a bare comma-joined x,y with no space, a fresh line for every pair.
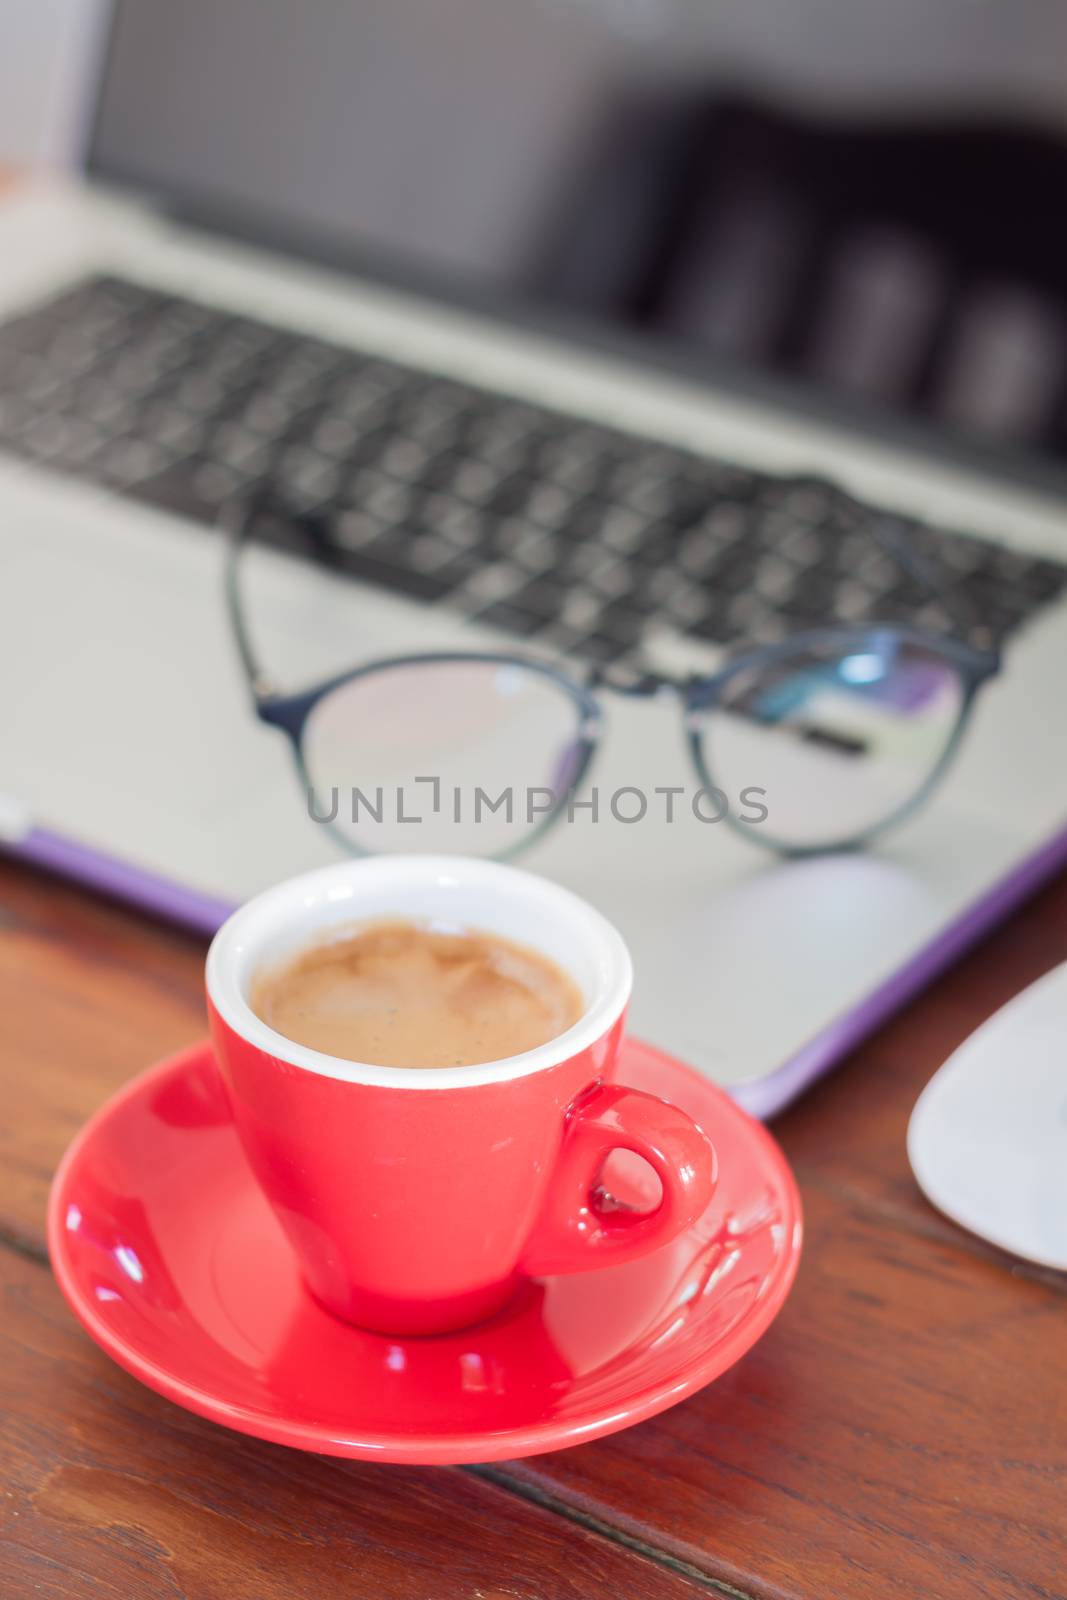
401,994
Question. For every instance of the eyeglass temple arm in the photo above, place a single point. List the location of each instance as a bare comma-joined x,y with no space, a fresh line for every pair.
237,518
236,521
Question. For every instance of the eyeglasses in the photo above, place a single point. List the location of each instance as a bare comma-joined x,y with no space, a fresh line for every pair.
814,743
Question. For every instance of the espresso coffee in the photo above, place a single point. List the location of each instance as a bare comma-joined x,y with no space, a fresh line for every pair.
396,994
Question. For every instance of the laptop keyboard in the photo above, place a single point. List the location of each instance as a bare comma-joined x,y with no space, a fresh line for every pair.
566,534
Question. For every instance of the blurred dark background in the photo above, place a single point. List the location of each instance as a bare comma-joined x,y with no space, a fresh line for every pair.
919,264
870,200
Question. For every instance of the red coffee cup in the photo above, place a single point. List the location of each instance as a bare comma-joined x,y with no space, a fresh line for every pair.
417,1198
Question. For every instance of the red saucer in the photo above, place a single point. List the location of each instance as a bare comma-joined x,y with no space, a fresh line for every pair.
172,1260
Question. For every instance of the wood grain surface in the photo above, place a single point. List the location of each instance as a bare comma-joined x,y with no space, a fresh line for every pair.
901,1431
108,1491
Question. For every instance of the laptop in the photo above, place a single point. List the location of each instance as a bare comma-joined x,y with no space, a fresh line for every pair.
388,202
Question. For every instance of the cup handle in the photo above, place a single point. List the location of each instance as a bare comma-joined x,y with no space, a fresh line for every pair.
572,1235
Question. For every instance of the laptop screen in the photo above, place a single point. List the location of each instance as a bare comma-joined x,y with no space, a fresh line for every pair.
801,188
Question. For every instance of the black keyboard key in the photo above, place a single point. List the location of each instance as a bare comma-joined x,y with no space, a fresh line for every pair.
185,493
603,648
511,617
623,621
387,574
542,598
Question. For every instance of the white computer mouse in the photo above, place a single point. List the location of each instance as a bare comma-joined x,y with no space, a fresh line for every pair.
987,1139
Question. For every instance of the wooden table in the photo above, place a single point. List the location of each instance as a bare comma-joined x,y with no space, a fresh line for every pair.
901,1431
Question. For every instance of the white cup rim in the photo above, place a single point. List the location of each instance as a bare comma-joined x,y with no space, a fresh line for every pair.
292,912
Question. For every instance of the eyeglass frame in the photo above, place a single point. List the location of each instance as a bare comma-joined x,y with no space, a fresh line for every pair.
698,693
